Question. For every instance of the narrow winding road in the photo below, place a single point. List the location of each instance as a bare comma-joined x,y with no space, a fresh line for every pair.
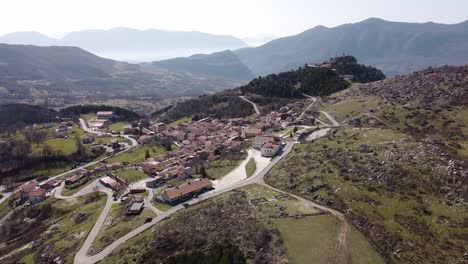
331,118
257,112
314,100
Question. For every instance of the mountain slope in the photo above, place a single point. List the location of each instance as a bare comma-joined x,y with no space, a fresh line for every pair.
51,63
394,47
32,72
223,64
277,88
397,165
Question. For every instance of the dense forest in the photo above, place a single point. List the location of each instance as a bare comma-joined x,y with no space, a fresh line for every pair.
292,84
17,116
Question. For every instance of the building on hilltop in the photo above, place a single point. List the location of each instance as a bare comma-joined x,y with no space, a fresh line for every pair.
104,115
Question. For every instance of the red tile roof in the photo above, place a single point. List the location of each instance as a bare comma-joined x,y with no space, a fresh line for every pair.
270,145
37,192
188,188
28,187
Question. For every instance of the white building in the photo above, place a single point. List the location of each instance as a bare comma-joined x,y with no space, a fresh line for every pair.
104,115
269,149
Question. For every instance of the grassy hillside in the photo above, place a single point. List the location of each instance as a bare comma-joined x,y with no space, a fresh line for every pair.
397,165
56,227
266,226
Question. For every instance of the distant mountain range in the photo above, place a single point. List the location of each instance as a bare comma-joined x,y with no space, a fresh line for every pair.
29,72
133,45
394,47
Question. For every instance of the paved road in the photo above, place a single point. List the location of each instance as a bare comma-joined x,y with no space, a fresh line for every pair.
252,103
6,196
318,134
235,175
87,129
93,187
95,230
331,118
314,100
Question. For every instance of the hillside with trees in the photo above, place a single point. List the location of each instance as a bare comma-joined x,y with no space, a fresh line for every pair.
219,105
314,80
310,80
17,116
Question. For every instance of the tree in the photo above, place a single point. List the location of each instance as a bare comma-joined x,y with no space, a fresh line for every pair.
47,151
217,152
147,154
80,149
203,172
169,147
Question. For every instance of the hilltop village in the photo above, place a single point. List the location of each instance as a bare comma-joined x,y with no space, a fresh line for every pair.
179,169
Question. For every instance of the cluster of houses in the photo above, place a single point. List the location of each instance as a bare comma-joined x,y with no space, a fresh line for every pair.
36,192
197,141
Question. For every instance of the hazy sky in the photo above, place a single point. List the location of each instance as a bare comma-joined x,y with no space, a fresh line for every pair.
241,18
